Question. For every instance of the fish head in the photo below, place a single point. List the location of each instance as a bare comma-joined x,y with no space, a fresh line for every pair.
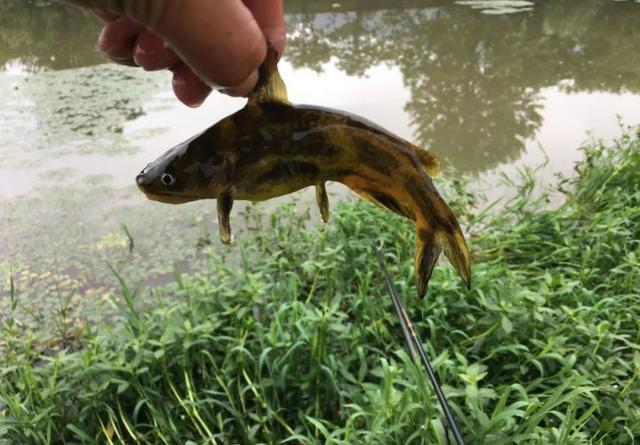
197,168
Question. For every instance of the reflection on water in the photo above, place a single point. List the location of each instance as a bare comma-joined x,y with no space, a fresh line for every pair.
482,90
475,79
36,34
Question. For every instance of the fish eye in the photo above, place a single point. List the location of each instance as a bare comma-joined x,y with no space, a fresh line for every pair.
167,179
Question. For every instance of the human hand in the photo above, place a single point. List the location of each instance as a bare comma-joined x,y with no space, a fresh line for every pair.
205,43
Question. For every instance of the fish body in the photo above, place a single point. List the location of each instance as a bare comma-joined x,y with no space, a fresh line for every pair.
272,148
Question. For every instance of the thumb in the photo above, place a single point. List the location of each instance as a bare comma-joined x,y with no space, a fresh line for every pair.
218,39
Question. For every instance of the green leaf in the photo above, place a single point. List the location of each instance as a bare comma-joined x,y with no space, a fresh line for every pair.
506,324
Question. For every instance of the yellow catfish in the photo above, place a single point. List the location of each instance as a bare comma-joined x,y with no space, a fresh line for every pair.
271,148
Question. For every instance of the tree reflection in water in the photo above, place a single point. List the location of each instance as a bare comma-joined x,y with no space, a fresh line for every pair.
45,35
475,79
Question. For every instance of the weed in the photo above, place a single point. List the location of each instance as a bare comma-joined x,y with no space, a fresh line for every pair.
297,342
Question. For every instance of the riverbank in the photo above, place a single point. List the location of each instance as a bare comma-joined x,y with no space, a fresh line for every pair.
299,341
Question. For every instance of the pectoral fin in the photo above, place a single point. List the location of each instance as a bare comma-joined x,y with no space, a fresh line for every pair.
225,204
323,201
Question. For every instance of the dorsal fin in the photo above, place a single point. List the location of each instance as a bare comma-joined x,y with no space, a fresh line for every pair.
270,86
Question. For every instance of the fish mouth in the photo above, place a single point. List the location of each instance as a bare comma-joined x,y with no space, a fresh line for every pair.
169,198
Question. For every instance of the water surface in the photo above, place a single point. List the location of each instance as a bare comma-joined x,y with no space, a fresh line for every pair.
488,90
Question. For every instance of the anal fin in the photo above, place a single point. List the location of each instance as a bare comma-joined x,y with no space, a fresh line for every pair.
323,201
225,204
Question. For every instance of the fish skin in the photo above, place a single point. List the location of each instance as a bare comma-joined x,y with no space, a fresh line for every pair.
272,148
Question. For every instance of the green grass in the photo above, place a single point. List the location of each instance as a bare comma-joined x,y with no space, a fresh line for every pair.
298,342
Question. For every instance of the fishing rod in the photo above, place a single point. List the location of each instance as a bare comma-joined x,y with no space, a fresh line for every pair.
413,343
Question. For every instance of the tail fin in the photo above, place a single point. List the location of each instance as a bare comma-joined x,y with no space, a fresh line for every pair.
429,244
456,250
427,253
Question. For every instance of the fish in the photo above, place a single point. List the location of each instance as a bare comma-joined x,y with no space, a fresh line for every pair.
272,147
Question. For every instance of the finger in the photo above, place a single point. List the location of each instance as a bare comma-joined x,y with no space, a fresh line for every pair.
244,88
118,38
152,53
188,88
128,61
218,39
106,16
269,14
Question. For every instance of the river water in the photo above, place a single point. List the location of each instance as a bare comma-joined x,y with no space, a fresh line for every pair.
488,89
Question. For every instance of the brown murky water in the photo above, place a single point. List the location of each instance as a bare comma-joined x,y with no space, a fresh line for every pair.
488,90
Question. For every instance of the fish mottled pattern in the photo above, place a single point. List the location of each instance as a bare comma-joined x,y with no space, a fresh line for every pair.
284,170
388,202
272,148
